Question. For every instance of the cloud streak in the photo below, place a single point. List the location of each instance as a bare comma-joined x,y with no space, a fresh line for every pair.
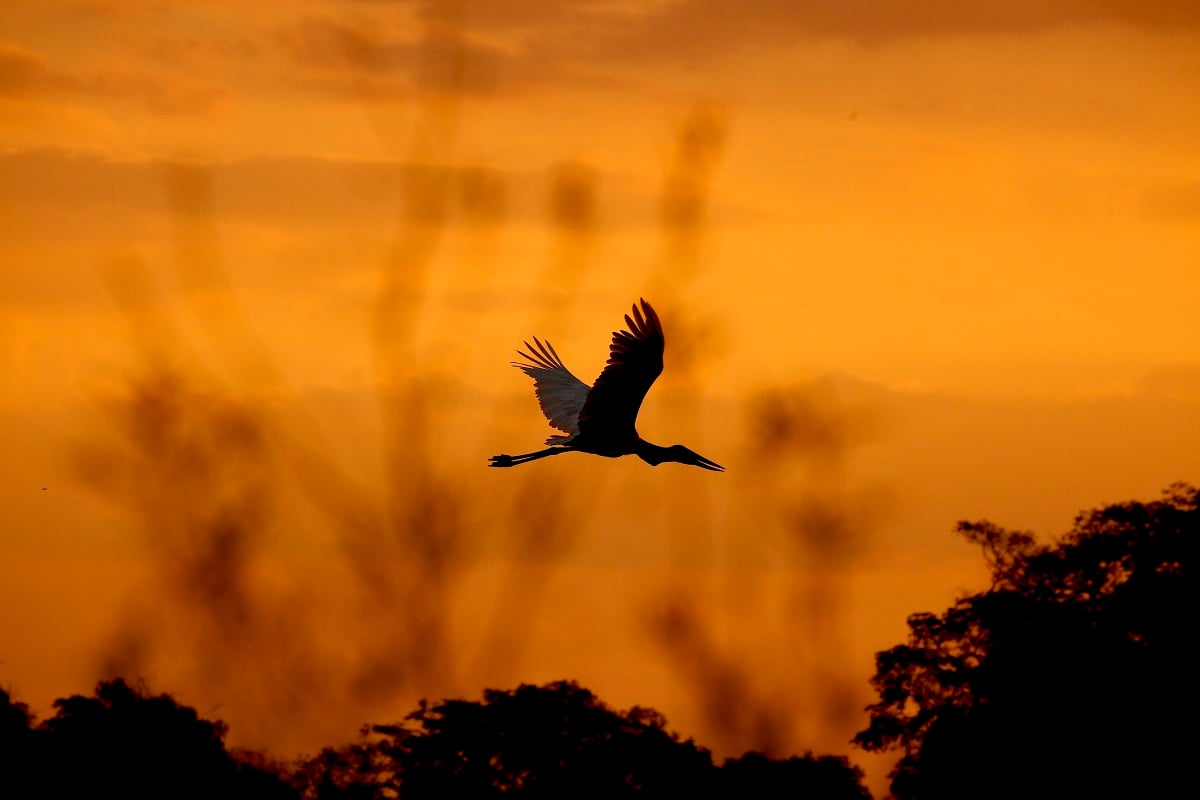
695,26
382,51
27,75
599,34
46,185
382,60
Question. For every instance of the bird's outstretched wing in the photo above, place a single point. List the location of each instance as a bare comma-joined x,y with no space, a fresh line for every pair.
635,361
560,394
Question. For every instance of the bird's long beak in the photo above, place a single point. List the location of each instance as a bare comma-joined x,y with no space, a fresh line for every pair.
704,463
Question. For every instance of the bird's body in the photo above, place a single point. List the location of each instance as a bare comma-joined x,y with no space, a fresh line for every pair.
601,419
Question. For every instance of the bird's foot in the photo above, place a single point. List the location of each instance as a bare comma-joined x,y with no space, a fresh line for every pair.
500,461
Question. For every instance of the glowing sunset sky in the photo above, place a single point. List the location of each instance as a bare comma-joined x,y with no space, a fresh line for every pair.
965,234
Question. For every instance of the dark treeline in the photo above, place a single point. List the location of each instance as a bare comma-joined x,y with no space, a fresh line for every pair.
550,741
1069,676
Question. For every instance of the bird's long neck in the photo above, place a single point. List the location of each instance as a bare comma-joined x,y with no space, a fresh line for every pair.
652,454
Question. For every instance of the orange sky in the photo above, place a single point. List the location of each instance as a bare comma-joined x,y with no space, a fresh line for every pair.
965,239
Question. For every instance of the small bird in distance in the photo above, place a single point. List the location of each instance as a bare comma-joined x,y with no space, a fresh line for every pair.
601,419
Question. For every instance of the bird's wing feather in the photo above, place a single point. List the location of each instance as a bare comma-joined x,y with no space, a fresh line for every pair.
560,394
635,361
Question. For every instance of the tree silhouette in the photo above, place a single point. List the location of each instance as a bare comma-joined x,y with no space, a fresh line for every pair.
822,777
16,744
124,743
554,741
532,742
1070,676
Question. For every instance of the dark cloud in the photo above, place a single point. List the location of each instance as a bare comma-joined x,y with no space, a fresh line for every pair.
27,74
433,57
503,14
694,29
876,20
24,73
584,40
324,42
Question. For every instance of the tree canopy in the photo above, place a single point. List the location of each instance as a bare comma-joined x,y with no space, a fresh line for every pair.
123,742
553,741
1070,676
557,740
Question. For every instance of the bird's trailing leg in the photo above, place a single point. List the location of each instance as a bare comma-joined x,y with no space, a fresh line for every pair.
512,461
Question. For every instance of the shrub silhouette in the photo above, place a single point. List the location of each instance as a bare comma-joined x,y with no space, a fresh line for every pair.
1068,677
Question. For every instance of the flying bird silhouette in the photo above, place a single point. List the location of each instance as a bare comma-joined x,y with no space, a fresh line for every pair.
601,419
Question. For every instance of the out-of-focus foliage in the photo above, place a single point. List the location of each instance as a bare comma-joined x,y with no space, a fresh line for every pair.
1070,676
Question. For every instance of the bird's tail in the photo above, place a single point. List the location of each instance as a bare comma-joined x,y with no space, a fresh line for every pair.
556,439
